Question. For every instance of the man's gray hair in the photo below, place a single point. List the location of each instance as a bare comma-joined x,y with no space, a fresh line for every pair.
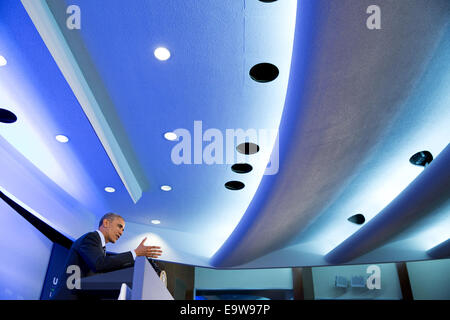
109,216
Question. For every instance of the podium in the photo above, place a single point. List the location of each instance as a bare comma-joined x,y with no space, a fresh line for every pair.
140,282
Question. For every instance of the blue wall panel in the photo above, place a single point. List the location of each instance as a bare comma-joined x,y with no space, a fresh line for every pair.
24,256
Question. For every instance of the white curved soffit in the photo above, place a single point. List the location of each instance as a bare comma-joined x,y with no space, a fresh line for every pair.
47,27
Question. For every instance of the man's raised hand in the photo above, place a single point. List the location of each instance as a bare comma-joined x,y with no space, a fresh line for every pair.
148,251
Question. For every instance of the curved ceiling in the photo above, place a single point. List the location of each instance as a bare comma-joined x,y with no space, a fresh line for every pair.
360,103
336,128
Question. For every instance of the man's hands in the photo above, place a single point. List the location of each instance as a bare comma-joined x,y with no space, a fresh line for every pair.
148,251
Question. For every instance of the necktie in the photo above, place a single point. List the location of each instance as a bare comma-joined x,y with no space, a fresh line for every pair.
104,251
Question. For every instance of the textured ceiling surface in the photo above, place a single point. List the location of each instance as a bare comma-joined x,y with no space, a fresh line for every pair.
348,109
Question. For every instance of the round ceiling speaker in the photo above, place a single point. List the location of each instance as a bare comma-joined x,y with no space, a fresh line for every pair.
264,72
422,158
7,116
234,185
357,219
241,168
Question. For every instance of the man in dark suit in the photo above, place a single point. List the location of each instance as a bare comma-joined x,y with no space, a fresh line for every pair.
88,255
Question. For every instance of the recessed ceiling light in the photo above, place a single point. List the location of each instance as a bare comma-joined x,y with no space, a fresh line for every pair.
61,138
162,53
3,61
166,188
156,221
171,136
110,189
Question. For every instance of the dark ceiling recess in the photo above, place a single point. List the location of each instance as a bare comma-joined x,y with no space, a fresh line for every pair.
247,148
234,185
357,218
264,72
7,116
241,168
422,158
268,1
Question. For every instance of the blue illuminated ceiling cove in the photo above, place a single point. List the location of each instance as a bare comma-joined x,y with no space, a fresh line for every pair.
336,113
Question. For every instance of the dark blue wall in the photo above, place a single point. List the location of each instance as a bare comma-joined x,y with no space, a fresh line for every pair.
54,271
